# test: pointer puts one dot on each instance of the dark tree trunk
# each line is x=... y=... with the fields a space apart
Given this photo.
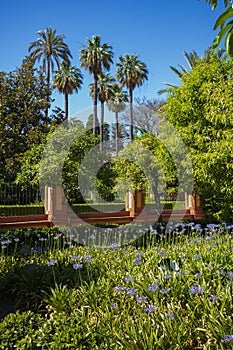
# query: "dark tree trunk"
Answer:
x=66 y=111
x=46 y=111
x=95 y=105
x=102 y=126
x=117 y=133
x=131 y=136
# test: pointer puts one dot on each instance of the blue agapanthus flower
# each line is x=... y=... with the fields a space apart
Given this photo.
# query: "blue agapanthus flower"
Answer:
x=196 y=290
x=227 y=339
x=77 y=266
x=150 y=309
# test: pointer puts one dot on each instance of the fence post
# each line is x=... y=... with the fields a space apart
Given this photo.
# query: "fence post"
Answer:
x=135 y=202
x=56 y=206
x=193 y=202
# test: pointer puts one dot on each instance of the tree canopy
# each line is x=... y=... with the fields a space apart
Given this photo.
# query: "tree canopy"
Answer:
x=22 y=121
x=201 y=110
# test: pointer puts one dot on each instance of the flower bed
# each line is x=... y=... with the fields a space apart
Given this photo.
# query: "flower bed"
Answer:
x=164 y=290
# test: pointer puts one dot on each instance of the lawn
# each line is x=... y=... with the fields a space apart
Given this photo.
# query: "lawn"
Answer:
x=159 y=291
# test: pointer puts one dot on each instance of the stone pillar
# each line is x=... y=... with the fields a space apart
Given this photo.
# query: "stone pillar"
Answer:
x=56 y=206
x=193 y=202
x=49 y=202
x=135 y=202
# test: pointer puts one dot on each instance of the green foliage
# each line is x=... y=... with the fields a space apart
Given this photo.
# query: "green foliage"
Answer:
x=22 y=122
x=114 y=310
x=201 y=111
x=225 y=24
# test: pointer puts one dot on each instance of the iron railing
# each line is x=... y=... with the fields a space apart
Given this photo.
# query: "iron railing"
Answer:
x=16 y=200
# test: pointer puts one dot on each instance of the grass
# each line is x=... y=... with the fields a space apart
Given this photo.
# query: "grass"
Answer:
x=70 y=296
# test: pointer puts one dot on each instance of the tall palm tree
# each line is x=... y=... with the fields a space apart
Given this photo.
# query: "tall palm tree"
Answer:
x=104 y=93
x=131 y=72
x=96 y=57
x=67 y=79
x=49 y=47
x=117 y=104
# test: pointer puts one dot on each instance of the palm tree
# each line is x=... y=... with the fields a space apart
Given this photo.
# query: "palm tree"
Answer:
x=117 y=104
x=192 y=59
x=49 y=47
x=96 y=57
x=104 y=93
x=66 y=80
x=131 y=72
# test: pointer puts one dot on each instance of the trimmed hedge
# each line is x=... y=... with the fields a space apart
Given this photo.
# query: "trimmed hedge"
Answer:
x=20 y=210
x=38 y=209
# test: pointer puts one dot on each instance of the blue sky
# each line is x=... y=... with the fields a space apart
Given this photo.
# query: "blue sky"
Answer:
x=158 y=31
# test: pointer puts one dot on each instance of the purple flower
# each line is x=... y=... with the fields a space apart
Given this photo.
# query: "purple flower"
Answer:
x=113 y=306
x=128 y=279
x=154 y=287
x=7 y=241
x=137 y=261
x=78 y=266
x=198 y=275
x=170 y=315
x=119 y=289
x=227 y=339
x=180 y=273
x=131 y=291
x=141 y=299
x=162 y=253
x=165 y=290
x=220 y=272
x=230 y=275
x=210 y=267
x=167 y=275
x=139 y=254
x=88 y=258
x=213 y=298
x=197 y=256
x=75 y=257
x=150 y=309
x=16 y=239
x=51 y=262
x=196 y=290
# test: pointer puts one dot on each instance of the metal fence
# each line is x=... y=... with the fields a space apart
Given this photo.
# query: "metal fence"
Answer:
x=15 y=200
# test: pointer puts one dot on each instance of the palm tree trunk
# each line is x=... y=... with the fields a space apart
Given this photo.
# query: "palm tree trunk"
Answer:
x=95 y=104
x=131 y=114
x=117 y=132
x=66 y=110
x=102 y=126
x=46 y=111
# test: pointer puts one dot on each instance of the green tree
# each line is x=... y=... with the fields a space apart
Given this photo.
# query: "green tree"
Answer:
x=131 y=72
x=96 y=57
x=146 y=166
x=22 y=121
x=62 y=163
x=201 y=111
x=117 y=104
x=66 y=80
x=49 y=47
x=104 y=92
